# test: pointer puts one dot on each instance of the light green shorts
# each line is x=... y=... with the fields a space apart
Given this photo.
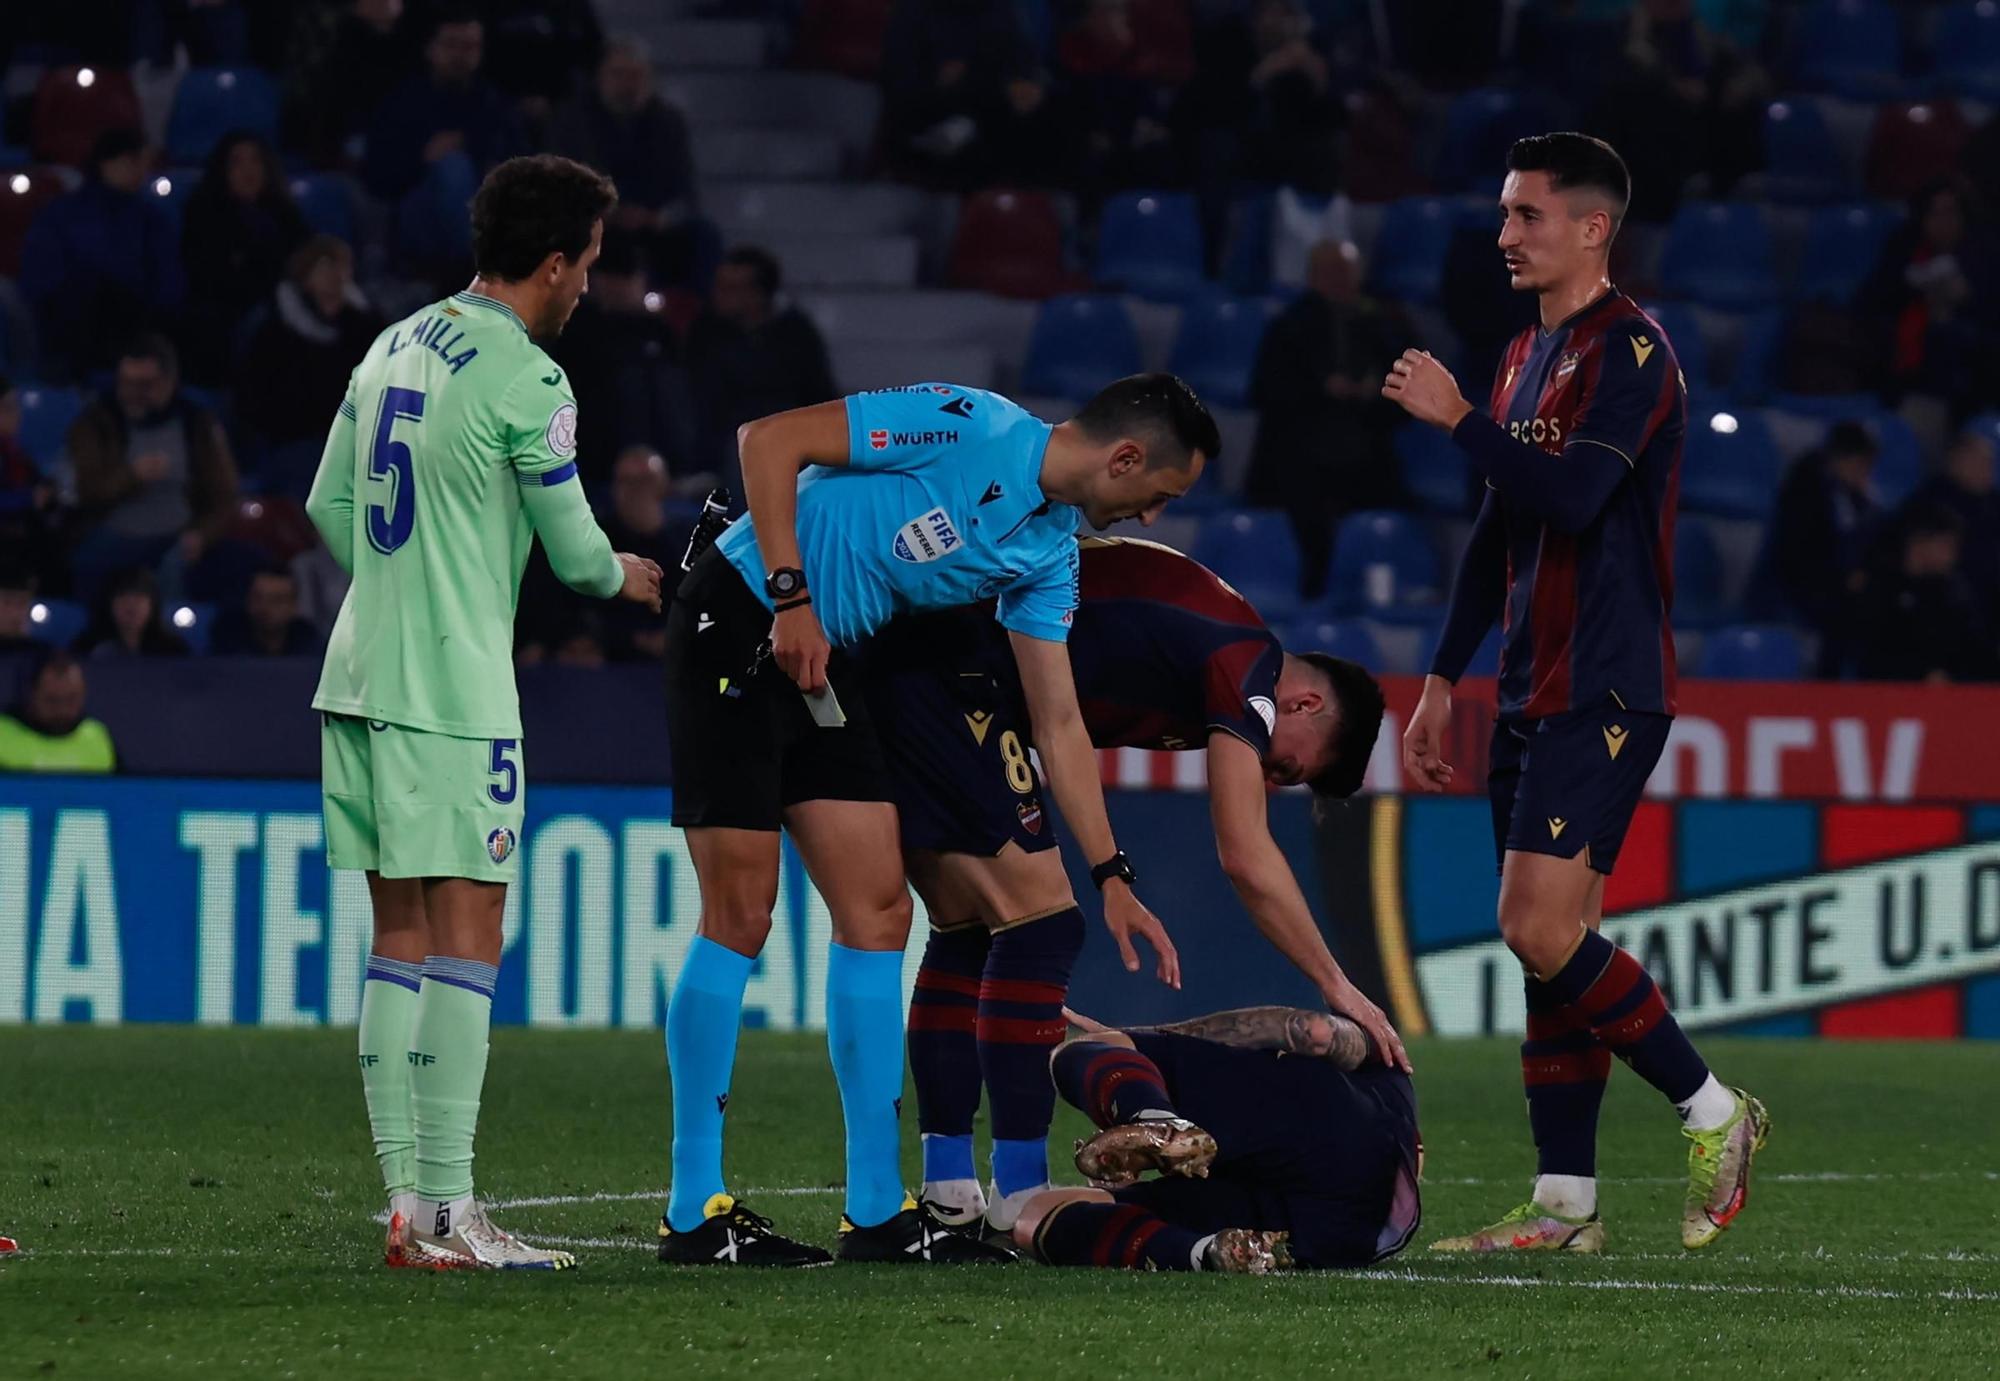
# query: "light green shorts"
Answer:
x=410 y=804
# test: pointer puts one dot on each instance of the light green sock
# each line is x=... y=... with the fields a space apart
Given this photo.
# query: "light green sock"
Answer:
x=388 y=1014
x=447 y=1070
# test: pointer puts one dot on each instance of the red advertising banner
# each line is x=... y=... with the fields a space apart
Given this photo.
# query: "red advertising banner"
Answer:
x=1803 y=740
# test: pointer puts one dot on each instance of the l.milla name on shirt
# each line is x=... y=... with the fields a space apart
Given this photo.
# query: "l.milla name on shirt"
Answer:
x=429 y=333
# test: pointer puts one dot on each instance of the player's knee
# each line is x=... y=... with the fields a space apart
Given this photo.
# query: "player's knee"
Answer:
x=738 y=923
x=881 y=922
x=1539 y=944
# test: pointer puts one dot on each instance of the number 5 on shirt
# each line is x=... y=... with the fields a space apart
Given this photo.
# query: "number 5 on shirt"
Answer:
x=390 y=524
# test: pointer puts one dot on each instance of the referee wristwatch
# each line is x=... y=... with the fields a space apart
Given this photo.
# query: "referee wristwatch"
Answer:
x=785 y=583
x=1116 y=866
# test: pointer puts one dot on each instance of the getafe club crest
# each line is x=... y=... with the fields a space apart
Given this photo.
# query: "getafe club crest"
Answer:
x=500 y=845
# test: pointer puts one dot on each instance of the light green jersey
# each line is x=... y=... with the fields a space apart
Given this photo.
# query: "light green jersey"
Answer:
x=455 y=445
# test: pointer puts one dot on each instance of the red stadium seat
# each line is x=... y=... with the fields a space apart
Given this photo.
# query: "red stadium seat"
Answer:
x=843 y=36
x=275 y=525
x=1011 y=243
x=23 y=193
x=73 y=106
x=1914 y=144
x=1382 y=159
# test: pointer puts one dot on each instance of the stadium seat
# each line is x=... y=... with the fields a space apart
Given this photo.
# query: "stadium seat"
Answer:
x=1720 y=254
x=1411 y=248
x=45 y=417
x=23 y=193
x=1965 y=49
x=1149 y=243
x=1080 y=343
x=1802 y=162
x=1987 y=424
x=1246 y=257
x=1683 y=331
x=1698 y=576
x=57 y=622
x=196 y=625
x=1842 y=244
x=1752 y=652
x=1353 y=639
x=1480 y=126
x=1382 y=161
x=212 y=101
x=1899 y=468
x=843 y=36
x=1913 y=145
x=171 y=189
x=76 y=105
x=1851 y=48
x=1254 y=550
x=325 y=202
x=1730 y=466
x=1759 y=337
x=1011 y=243
x=1435 y=470
x=1215 y=348
x=1382 y=565
x=275 y=525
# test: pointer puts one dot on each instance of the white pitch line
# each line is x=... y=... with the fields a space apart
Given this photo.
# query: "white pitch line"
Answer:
x=548 y=1200
x=1684 y=1286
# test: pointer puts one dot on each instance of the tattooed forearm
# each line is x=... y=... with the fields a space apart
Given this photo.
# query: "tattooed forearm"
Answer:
x=1295 y=1030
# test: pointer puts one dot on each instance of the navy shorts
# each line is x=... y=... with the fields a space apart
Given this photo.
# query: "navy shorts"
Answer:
x=1571 y=781
x=946 y=693
x=1323 y=1154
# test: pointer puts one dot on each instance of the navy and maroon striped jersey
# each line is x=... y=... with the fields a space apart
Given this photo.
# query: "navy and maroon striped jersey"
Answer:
x=1586 y=616
x=1164 y=651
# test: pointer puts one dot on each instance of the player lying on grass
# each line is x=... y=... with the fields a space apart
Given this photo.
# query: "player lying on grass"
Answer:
x=453 y=450
x=1166 y=656
x=925 y=497
x=1280 y=1137
x=1582 y=456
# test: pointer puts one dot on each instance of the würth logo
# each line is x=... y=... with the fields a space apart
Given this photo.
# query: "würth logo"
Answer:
x=878 y=440
x=922 y=439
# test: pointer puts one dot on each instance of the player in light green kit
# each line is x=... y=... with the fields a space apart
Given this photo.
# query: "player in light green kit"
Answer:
x=454 y=448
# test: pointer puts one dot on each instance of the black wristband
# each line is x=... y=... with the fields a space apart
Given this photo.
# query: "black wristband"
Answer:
x=1116 y=866
x=792 y=604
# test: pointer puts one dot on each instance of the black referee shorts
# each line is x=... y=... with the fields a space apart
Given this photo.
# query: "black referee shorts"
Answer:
x=741 y=737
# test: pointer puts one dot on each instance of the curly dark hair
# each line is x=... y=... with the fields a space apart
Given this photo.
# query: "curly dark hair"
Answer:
x=529 y=208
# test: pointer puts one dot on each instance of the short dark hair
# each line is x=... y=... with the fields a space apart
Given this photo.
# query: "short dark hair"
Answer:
x=1161 y=406
x=115 y=143
x=1359 y=699
x=1575 y=160
x=761 y=262
x=531 y=207
x=1851 y=439
x=151 y=345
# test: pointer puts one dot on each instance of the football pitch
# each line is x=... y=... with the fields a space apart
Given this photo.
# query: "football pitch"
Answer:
x=198 y=1202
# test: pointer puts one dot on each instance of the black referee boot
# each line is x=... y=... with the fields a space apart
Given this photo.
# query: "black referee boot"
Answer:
x=731 y=1235
x=918 y=1235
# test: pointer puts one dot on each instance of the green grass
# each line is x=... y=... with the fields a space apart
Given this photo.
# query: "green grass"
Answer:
x=197 y=1202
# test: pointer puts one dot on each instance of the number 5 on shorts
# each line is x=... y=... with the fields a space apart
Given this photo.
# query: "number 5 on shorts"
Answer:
x=502 y=792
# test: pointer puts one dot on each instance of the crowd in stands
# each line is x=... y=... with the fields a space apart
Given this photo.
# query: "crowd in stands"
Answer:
x=208 y=208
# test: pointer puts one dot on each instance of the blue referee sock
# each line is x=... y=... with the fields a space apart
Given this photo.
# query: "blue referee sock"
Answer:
x=864 y=1035
x=702 y=1024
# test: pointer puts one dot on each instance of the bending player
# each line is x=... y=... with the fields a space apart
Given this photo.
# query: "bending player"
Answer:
x=1574 y=540
x=454 y=448
x=1168 y=656
x=915 y=498
x=1280 y=1137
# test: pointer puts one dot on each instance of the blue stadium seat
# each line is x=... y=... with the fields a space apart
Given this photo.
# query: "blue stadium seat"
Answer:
x=1761 y=336
x=1246 y=259
x=1966 y=49
x=1411 y=247
x=211 y=102
x=1827 y=407
x=1899 y=469
x=1383 y=565
x=1719 y=253
x=1353 y=639
x=1254 y=550
x=1080 y=343
x=46 y=413
x=1683 y=330
x=1802 y=163
x=1852 y=48
x=1987 y=424
x=1752 y=652
x=196 y=625
x=170 y=190
x=1698 y=596
x=1149 y=243
x=324 y=201
x=1730 y=466
x=1842 y=244
x=1216 y=346
x=1479 y=128
x=57 y=622
x=1435 y=471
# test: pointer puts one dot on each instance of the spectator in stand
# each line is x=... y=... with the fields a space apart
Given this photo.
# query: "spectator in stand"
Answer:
x=345 y=66
x=154 y=473
x=1931 y=303
x=1966 y=488
x=27 y=500
x=1323 y=429
x=1119 y=66
x=1919 y=620
x=639 y=524
x=750 y=357
x=240 y=227
x=17 y=604
x=47 y=730
x=127 y=622
x=1822 y=532
x=293 y=374
x=537 y=50
x=621 y=127
x=1261 y=106
x=433 y=138
x=267 y=623
x=965 y=100
x=100 y=263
